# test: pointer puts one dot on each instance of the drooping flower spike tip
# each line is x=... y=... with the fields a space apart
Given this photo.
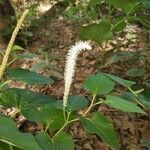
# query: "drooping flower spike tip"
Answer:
x=71 y=59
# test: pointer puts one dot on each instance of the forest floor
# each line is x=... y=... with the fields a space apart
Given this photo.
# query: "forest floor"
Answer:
x=55 y=38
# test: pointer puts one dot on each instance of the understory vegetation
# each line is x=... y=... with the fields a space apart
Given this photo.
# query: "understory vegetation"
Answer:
x=105 y=66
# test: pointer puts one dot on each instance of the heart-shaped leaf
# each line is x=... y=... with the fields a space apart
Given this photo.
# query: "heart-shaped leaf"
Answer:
x=96 y=31
x=45 y=142
x=101 y=126
x=62 y=141
x=48 y=115
x=74 y=103
x=24 y=99
x=123 y=105
x=27 y=76
x=99 y=84
x=11 y=135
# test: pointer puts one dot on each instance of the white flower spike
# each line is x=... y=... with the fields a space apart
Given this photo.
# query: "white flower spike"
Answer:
x=70 y=66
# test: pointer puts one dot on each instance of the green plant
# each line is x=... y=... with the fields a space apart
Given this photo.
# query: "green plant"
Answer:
x=57 y=115
x=107 y=17
x=102 y=20
x=24 y=34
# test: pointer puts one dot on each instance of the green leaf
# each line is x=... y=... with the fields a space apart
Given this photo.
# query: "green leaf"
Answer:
x=123 y=105
x=28 y=33
x=117 y=56
x=121 y=81
x=4 y=146
x=143 y=98
x=146 y=4
x=126 y=5
x=45 y=142
x=145 y=143
x=27 y=76
x=114 y=58
x=71 y=10
x=39 y=66
x=17 y=48
x=23 y=99
x=97 y=32
x=62 y=141
x=75 y=102
x=135 y=72
x=101 y=126
x=99 y=84
x=10 y=134
x=26 y=56
x=144 y=20
x=118 y=25
x=69 y=1
x=47 y=115
x=92 y=3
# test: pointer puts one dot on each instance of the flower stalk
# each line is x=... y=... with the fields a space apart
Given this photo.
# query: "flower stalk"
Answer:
x=11 y=42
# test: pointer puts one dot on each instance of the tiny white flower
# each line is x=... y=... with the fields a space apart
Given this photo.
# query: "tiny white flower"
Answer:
x=70 y=66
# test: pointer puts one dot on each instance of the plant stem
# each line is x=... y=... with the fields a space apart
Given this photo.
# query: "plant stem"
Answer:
x=91 y=105
x=77 y=119
x=11 y=42
x=64 y=113
x=110 y=12
x=47 y=126
x=4 y=83
x=10 y=147
x=97 y=103
x=61 y=129
x=136 y=99
x=68 y=115
x=11 y=62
